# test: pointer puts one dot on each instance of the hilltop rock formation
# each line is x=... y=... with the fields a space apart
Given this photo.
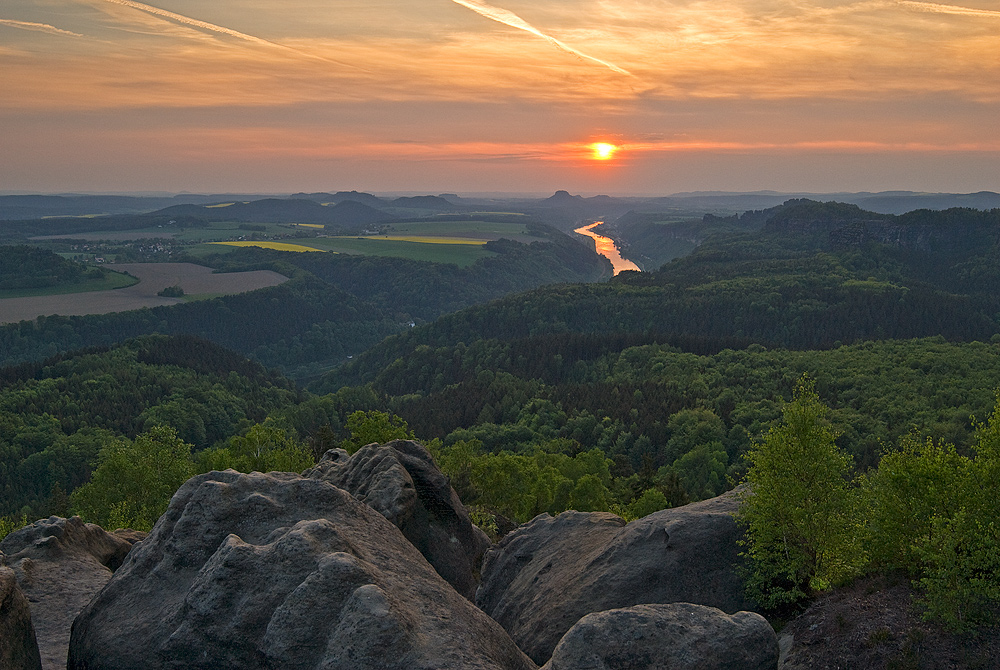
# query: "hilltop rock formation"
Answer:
x=667 y=637
x=18 y=648
x=281 y=571
x=60 y=564
x=400 y=481
x=545 y=576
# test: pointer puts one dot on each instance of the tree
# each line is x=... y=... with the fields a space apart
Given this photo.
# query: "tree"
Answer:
x=134 y=481
x=264 y=447
x=374 y=426
x=798 y=510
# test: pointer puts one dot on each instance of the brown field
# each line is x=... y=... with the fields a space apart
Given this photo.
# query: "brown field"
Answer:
x=153 y=277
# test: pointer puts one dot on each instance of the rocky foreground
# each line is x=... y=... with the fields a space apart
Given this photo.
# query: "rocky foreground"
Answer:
x=370 y=562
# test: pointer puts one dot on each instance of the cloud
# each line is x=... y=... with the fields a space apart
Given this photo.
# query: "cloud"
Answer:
x=205 y=25
x=38 y=27
x=937 y=8
x=513 y=20
x=194 y=22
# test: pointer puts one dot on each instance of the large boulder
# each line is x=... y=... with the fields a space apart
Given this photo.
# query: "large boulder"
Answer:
x=401 y=482
x=18 y=648
x=60 y=565
x=281 y=571
x=679 y=636
x=545 y=576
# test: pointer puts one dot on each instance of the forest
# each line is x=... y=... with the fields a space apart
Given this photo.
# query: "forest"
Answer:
x=876 y=336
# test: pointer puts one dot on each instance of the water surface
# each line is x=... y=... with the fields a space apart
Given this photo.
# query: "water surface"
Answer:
x=606 y=247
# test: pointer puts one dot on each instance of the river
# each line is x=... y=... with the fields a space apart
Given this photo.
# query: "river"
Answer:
x=606 y=247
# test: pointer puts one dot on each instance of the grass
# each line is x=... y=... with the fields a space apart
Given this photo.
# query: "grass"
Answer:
x=475 y=230
x=459 y=254
x=422 y=239
x=279 y=246
x=111 y=280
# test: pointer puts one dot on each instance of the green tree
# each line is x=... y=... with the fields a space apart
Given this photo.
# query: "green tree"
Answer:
x=264 y=447
x=374 y=426
x=134 y=480
x=961 y=553
x=703 y=470
x=798 y=510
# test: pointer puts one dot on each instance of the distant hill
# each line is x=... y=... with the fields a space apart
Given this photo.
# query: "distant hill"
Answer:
x=341 y=196
x=21 y=207
x=291 y=210
x=424 y=202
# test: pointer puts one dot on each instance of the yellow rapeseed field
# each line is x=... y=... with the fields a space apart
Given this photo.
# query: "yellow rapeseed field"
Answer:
x=280 y=246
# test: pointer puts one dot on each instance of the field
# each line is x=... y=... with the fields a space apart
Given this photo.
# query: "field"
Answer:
x=196 y=280
x=279 y=246
x=434 y=240
x=111 y=280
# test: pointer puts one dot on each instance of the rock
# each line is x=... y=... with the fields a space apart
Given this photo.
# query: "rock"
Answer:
x=545 y=576
x=400 y=481
x=18 y=648
x=60 y=564
x=679 y=636
x=281 y=571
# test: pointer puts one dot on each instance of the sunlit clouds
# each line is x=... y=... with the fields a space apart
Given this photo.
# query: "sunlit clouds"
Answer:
x=511 y=19
x=294 y=87
x=38 y=27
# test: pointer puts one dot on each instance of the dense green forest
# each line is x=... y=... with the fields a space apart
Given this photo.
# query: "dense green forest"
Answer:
x=56 y=415
x=816 y=276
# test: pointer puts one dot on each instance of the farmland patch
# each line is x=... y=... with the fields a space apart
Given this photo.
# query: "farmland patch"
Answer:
x=196 y=280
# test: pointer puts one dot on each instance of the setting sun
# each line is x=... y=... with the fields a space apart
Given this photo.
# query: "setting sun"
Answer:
x=603 y=151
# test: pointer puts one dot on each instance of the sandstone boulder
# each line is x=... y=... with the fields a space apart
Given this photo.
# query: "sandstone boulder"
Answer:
x=281 y=571
x=18 y=648
x=545 y=576
x=400 y=481
x=678 y=636
x=60 y=564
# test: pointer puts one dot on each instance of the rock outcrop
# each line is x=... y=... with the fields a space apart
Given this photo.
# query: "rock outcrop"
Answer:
x=18 y=648
x=545 y=576
x=400 y=481
x=60 y=564
x=679 y=636
x=281 y=571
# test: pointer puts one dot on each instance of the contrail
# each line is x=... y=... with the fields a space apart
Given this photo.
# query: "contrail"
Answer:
x=513 y=20
x=180 y=18
x=194 y=22
x=937 y=8
x=38 y=27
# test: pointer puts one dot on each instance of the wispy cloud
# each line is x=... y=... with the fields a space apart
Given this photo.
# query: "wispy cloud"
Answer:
x=513 y=20
x=180 y=18
x=205 y=25
x=38 y=27
x=937 y=8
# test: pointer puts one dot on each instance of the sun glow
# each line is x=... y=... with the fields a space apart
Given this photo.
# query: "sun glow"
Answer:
x=603 y=151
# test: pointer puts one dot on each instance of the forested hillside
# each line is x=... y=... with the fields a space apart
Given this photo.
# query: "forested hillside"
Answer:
x=817 y=275
x=334 y=307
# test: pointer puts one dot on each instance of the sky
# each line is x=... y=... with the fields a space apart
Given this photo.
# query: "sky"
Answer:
x=476 y=96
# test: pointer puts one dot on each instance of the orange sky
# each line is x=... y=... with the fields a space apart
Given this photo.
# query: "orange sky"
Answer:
x=469 y=95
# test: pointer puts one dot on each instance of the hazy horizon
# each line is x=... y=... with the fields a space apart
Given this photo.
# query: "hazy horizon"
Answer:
x=468 y=96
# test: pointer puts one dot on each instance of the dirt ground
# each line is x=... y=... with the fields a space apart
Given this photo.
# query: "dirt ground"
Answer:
x=153 y=277
x=874 y=624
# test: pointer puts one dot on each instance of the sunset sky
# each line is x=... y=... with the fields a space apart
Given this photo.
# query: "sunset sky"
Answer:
x=506 y=95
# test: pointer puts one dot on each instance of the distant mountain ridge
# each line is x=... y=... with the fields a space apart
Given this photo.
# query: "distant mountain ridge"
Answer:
x=292 y=210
